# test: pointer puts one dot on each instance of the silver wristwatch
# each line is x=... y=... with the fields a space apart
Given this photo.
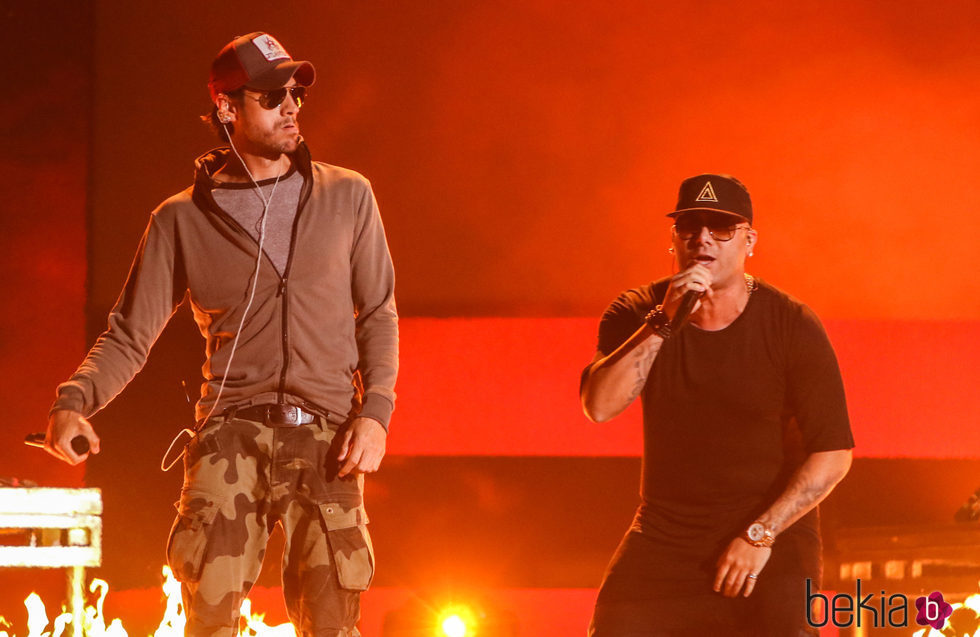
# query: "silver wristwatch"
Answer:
x=758 y=534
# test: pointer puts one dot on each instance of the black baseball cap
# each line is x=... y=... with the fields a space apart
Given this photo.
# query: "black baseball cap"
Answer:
x=714 y=193
x=256 y=61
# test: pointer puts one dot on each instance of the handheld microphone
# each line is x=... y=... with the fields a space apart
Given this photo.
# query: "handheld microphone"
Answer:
x=79 y=444
x=688 y=302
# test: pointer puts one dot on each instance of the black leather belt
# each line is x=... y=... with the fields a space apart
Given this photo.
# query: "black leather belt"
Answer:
x=273 y=415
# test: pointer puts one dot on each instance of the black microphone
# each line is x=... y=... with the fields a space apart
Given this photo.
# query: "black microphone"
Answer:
x=79 y=444
x=684 y=309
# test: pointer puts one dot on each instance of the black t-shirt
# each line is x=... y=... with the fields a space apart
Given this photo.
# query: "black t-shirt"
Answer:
x=729 y=415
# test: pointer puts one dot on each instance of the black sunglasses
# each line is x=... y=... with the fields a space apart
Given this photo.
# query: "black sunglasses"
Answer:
x=274 y=98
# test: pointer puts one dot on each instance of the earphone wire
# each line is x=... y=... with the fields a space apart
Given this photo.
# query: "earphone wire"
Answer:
x=192 y=433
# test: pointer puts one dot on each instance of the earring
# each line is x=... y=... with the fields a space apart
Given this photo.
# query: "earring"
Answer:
x=750 y=253
x=670 y=250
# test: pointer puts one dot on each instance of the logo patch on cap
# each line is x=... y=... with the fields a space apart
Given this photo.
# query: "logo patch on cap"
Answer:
x=707 y=193
x=270 y=48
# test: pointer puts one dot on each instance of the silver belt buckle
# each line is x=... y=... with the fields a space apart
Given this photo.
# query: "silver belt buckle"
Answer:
x=292 y=415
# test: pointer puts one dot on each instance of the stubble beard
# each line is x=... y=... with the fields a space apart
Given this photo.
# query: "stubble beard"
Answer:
x=273 y=149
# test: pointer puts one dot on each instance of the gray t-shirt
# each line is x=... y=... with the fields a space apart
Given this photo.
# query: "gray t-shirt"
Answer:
x=243 y=203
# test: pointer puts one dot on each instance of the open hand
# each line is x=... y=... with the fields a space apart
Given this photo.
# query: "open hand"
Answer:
x=735 y=566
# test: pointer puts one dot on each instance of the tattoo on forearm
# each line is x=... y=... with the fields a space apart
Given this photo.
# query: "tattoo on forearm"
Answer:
x=803 y=494
x=642 y=369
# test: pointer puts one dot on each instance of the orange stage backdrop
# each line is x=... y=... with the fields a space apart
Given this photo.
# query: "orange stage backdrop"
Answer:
x=523 y=154
x=508 y=387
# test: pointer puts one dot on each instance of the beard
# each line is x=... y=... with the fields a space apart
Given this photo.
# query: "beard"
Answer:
x=277 y=145
x=272 y=143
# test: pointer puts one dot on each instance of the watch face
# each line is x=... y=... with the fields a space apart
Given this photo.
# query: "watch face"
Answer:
x=756 y=532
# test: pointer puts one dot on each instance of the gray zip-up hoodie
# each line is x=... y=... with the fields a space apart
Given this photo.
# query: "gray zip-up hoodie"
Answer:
x=330 y=315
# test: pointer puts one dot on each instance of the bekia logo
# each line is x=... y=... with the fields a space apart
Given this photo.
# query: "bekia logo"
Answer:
x=933 y=610
x=880 y=611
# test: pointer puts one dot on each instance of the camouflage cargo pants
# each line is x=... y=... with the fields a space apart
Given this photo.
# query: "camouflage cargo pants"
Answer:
x=241 y=478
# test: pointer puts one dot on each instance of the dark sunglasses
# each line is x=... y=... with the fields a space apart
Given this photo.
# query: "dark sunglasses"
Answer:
x=274 y=98
x=720 y=228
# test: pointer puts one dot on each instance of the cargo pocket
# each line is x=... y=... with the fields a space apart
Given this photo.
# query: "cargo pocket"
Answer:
x=350 y=545
x=189 y=536
x=204 y=443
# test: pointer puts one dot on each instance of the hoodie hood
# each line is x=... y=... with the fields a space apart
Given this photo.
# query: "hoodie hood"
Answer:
x=208 y=165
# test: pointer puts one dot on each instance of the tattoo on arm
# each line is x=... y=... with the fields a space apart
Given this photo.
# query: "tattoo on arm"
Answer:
x=642 y=368
x=802 y=496
x=613 y=381
x=809 y=486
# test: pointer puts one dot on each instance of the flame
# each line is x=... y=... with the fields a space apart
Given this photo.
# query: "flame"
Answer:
x=60 y=622
x=95 y=620
x=37 y=618
x=973 y=603
x=172 y=624
x=255 y=625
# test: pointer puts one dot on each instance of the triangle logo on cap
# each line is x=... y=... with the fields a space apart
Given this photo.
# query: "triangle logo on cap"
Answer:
x=270 y=48
x=707 y=193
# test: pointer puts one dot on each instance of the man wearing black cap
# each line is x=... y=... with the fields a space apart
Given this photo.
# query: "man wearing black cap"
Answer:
x=745 y=431
x=285 y=264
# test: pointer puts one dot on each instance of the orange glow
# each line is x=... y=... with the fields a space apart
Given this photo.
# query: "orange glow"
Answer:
x=454 y=626
x=457 y=621
x=576 y=134
x=523 y=154
x=509 y=387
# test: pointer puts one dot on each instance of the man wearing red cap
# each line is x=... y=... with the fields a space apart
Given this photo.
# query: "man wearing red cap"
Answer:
x=286 y=267
x=745 y=431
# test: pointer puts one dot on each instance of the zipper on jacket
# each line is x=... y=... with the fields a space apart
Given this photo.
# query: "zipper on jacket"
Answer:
x=201 y=195
x=285 y=331
x=304 y=197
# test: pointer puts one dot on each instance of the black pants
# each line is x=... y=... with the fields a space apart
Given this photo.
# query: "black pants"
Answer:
x=654 y=590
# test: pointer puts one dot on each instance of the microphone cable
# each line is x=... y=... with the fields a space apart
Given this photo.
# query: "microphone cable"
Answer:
x=192 y=433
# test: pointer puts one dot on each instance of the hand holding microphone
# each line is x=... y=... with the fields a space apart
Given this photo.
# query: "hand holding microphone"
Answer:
x=71 y=434
x=685 y=292
x=79 y=444
x=688 y=301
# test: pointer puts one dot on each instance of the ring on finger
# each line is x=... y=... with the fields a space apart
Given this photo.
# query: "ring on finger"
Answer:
x=752 y=576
